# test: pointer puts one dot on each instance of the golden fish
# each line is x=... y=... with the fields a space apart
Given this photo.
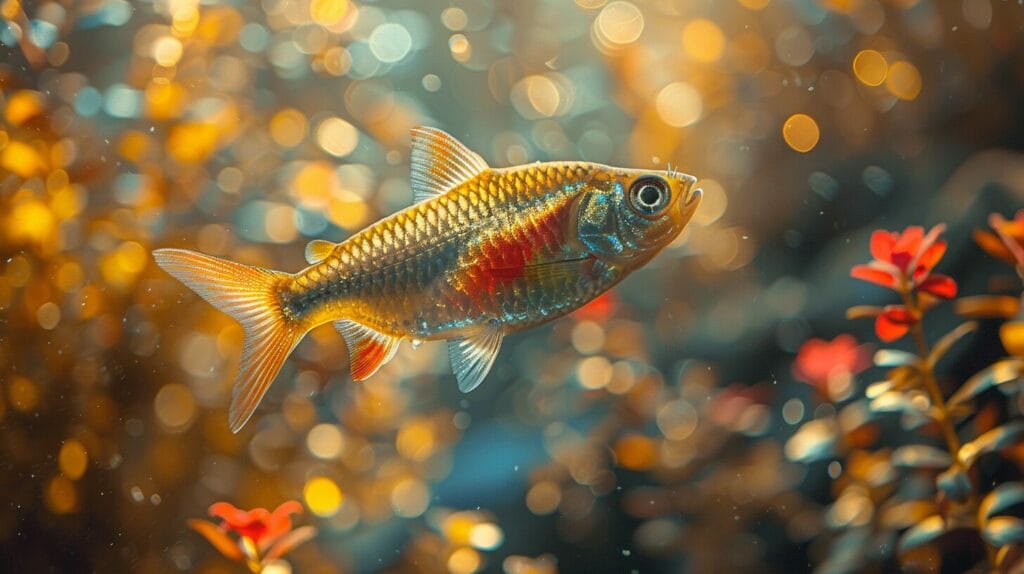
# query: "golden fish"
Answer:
x=482 y=253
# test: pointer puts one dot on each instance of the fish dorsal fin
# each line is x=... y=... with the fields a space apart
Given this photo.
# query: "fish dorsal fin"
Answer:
x=440 y=162
x=473 y=356
x=318 y=250
x=368 y=349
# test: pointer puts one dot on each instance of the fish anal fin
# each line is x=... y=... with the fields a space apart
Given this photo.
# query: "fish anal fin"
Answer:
x=247 y=294
x=368 y=349
x=439 y=163
x=472 y=356
x=318 y=250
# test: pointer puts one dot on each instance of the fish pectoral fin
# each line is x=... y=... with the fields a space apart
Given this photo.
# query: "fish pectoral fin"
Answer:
x=368 y=349
x=473 y=356
x=439 y=163
x=318 y=250
x=562 y=270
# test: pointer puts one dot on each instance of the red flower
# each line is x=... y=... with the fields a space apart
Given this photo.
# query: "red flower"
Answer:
x=829 y=365
x=907 y=258
x=263 y=536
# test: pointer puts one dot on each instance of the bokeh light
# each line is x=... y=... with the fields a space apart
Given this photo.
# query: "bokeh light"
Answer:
x=801 y=132
x=322 y=496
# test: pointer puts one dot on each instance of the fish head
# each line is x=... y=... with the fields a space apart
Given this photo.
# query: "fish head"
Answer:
x=626 y=216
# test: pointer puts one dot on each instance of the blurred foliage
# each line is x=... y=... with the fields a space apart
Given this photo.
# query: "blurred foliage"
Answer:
x=662 y=428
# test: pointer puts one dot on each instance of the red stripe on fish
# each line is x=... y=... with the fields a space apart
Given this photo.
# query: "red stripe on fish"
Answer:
x=503 y=257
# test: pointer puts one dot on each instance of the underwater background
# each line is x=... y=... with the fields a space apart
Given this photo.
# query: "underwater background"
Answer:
x=716 y=412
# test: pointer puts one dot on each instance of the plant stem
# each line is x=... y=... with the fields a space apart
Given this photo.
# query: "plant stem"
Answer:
x=928 y=373
x=939 y=401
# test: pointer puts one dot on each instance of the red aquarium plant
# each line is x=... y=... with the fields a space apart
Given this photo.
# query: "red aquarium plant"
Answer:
x=829 y=366
x=903 y=261
x=261 y=536
x=963 y=497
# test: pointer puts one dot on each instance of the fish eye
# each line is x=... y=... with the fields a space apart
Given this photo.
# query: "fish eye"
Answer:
x=649 y=195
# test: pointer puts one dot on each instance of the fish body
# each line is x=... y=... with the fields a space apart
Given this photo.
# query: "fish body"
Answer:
x=481 y=253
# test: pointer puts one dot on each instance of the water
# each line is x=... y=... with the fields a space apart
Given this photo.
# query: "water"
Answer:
x=717 y=411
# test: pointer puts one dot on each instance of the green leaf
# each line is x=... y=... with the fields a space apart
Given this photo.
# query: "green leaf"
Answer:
x=943 y=345
x=901 y=402
x=876 y=390
x=895 y=358
x=995 y=439
x=922 y=533
x=921 y=456
x=980 y=306
x=815 y=440
x=1001 y=498
x=1003 y=530
x=999 y=373
x=863 y=311
x=899 y=514
x=954 y=483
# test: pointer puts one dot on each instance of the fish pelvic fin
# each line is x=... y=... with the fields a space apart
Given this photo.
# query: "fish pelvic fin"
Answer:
x=368 y=349
x=248 y=295
x=473 y=356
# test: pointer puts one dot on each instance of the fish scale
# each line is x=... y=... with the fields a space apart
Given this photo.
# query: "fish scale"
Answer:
x=482 y=253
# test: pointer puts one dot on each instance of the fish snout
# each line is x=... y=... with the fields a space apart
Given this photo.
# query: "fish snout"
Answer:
x=690 y=197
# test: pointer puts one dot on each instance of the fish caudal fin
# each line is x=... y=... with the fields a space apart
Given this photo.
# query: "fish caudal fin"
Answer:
x=248 y=295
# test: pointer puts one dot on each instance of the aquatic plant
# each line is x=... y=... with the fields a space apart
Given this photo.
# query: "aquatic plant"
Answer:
x=947 y=504
x=261 y=537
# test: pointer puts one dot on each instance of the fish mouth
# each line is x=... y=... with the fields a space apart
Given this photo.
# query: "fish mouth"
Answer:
x=692 y=196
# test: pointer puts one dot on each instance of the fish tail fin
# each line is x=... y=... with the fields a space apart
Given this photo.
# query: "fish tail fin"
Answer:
x=247 y=294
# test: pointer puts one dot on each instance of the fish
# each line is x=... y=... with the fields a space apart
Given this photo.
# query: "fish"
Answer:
x=482 y=252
